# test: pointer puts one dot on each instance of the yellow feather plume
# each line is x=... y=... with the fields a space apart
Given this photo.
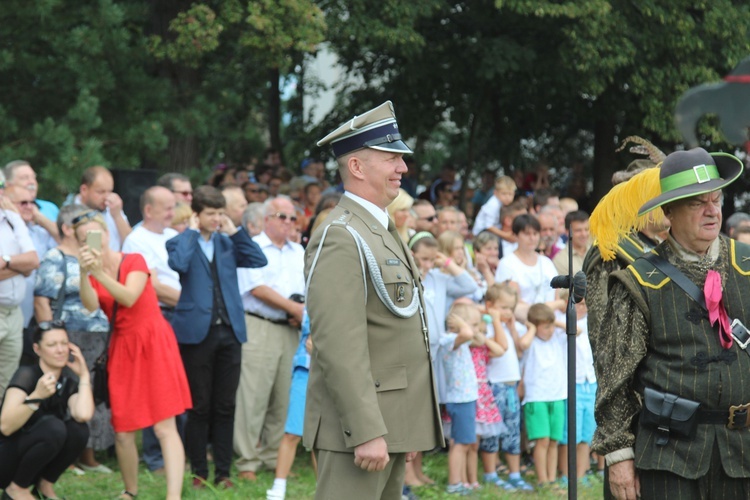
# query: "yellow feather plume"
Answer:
x=616 y=215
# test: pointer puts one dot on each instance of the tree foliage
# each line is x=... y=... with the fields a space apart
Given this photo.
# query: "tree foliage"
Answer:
x=182 y=84
x=173 y=85
x=524 y=80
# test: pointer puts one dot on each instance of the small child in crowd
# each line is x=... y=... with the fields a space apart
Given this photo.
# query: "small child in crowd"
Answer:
x=546 y=390
x=296 y=413
x=488 y=420
x=443 y=281
x=504 y=374
x=463 y=322
x=585 y=397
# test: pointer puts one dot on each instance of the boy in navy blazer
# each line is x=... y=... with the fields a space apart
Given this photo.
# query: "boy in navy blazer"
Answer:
x=210 y=326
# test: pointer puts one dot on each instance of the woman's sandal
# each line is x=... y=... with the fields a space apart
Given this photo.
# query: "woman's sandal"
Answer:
x=126 y=495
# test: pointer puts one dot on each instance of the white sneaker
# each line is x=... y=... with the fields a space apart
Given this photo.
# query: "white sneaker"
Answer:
x=275 y=494
x=97 y=468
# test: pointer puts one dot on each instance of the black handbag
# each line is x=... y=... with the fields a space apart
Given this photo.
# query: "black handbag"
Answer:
x=99 y=371
x=669 y=415
x=28 y=356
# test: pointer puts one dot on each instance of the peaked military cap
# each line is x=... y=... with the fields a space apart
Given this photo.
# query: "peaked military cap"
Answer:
x=376 y=129
x=691 y=173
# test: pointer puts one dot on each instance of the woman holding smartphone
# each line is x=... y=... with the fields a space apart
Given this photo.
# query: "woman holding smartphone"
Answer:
x=37 y=440
x=146 y=378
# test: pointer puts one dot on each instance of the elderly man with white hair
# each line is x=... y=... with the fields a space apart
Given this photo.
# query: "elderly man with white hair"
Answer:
x=273 y=314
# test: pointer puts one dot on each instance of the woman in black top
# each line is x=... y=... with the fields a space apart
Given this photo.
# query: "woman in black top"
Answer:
x=43 y=415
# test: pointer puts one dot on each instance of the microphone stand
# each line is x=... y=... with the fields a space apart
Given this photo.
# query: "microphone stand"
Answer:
x=571 y=327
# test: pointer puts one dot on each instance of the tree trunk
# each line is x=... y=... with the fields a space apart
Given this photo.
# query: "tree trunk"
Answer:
x=604 y=157
x=183 y=154
x=274 y=110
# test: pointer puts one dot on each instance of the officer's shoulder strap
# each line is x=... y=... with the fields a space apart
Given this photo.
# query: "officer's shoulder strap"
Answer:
x=647 y=274
x=629 y=248
x=740 y=256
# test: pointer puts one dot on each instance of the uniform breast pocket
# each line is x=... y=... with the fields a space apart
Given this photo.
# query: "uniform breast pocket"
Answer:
x=397 y=281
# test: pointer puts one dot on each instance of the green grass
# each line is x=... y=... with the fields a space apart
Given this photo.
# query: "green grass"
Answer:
x=301 y=486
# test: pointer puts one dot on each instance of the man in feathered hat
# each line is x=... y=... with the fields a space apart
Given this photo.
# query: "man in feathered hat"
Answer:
x=673 y=371
x=620 y=235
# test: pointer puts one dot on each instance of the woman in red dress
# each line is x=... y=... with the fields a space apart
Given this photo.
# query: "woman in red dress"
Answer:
x=146 y=378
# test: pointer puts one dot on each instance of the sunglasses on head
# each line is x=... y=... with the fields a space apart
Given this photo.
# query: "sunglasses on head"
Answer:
x=55 y=324
x=284 y=217
x=84 y=217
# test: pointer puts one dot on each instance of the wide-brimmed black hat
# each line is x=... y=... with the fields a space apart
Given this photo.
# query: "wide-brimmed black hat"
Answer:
x=691 y=173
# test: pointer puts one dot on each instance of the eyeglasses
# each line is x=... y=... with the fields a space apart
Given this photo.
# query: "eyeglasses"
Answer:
x=184 y=193
x=55 y=324
x=26 y=203
x=284 y=217
x=80 y=219
x=431 y=218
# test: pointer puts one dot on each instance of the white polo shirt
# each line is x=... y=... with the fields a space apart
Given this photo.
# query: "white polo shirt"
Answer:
x=153 y=247
x=14 y=240
x=284 y=273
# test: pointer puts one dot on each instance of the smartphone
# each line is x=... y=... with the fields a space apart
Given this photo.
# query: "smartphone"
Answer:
x=94 y=239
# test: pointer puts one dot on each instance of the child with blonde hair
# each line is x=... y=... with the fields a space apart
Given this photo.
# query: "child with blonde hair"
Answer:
x=461 y=390
x=488 y=420
x=504 y=375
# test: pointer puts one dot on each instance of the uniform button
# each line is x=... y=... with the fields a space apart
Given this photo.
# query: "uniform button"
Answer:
x=398 y=276
x=377 y=383
x=346 y=211
x=374 y=226
x=348 y=433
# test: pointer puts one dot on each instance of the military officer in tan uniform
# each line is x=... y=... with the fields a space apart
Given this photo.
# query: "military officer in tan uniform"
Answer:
x=371 y=400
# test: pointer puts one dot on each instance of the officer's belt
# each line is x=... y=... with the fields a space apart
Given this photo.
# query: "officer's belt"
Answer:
x=737 y=417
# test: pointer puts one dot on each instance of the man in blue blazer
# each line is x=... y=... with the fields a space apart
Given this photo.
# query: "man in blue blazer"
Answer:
x=210 y=326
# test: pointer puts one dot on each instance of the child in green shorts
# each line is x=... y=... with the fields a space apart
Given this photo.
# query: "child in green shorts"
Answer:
x=546 y=389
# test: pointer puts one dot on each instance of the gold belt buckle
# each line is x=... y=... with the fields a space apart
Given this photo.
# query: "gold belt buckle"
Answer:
x=741 y=411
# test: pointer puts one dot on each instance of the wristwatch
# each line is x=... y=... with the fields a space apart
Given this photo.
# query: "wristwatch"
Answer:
x=32 y=403
x=6 y=259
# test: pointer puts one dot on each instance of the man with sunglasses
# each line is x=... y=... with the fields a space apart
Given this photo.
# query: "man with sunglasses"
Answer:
x=18 y=259
x=179 y=184
x=426 y=217
x=38 y=225
x=272 y=319
x=20 y=173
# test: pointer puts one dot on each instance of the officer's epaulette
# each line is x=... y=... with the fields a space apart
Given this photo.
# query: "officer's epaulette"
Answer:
x=343 y=219
x=740 y=254
x=629 y=248
x=647 y=274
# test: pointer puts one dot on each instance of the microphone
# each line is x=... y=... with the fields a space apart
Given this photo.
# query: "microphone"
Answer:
x=579 y=285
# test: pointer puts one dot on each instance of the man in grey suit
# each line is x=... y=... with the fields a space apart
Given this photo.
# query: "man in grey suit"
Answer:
x=371 y=400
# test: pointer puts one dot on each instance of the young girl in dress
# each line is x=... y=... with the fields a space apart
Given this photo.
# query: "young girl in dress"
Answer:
x=488 y=420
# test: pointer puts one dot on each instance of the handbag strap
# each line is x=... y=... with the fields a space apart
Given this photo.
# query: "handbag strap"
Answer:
x=114 y=310
x=678 y=277
x=57 y=304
